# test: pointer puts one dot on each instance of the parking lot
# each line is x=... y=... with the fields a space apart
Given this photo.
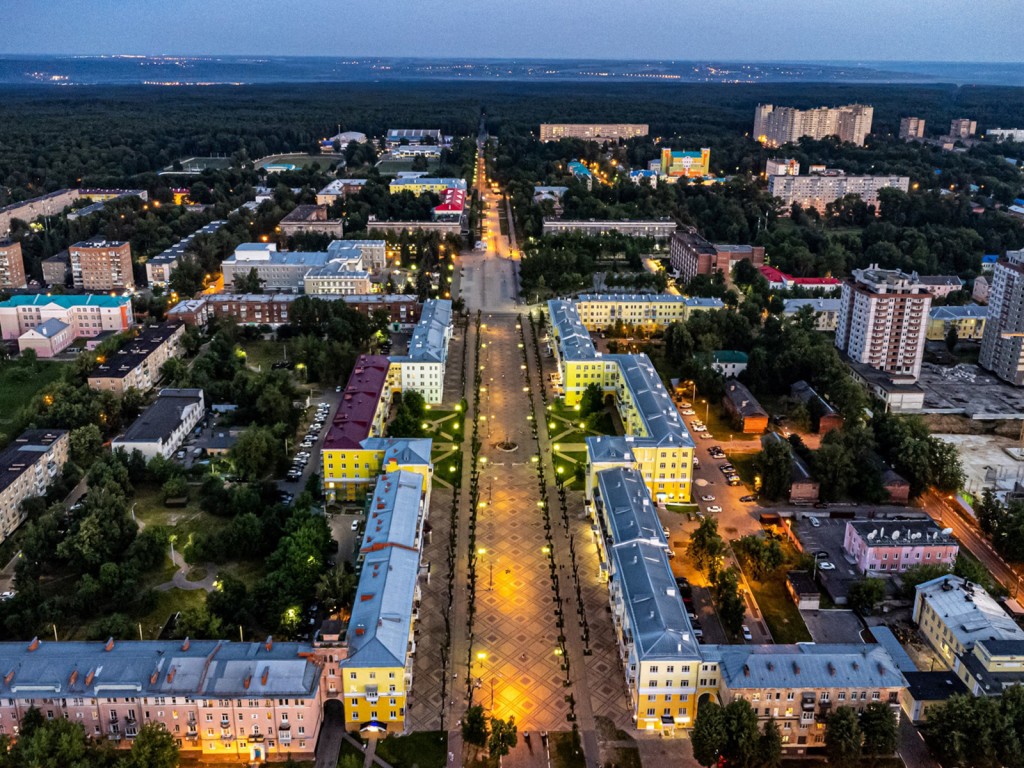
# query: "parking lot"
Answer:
x=834 y=626
x=827 y=537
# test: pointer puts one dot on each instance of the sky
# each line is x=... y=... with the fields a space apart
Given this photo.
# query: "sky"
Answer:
x=723 y=30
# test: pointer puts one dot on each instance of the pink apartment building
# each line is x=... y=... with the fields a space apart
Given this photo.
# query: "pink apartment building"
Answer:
x=892 y=546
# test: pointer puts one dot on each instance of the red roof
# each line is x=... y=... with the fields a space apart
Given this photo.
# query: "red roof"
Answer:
x=816 y=281
x=351 y=422
x=773 y=275
x=452 y=201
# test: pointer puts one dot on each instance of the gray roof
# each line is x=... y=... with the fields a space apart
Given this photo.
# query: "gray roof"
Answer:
x=934 y=686
x=338 y=268
x=573 y=337
x=159 y=420
x=136 y=351
x=627 y=507
x=50 y=328
x=885 y=638
x=23 y=452
x=196 y=668
x=378 y=631
x=899 y=533
x=805 y=666
x=660 y=416
x=393 y=518
x=742 y=399
x=429 y=342
x=970 y=613
x=177 y=250
x=792 y=306
x=966 y=312
x=660 y=626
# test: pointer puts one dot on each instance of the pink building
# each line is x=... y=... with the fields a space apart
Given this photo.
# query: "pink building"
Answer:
x=48 y=339
x=892 y=546
x=87 y=315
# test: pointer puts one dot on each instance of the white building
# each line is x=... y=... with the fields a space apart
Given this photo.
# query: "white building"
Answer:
x=28 y=466
x=883 y=320
x=818 y=190
x=1005 y=134
x=87 y=315
x=775 y=126
x=423 y=368
x=782 y=166
x=162 y=427
x=1002 y=346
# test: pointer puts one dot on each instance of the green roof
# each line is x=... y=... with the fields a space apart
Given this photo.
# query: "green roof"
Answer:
x=66 y=301
x=730 y=356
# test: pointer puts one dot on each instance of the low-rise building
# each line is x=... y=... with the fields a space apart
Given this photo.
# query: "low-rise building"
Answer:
x=890 y=547
x=272 y=309
x=423 y=368
x=163 y=426
x=311 y=218
x=780 y=281
x=160 y=268
x=743 y=408
x=101 y=265
x=644 y=176
x=377 y=228
x=782 y=166
x=336 y=278
x=940 y=286
x=88 y=315
x=137 y=364
x=651 y=311
x=420 y=184
x=57 y=269
x=896 y=486
x=28 y=466
x=980 y=289
x=1005 y=134
x=339 y=188
x=926 y=690
x=729 y=362
x=800 y=686
x=691 y=255
x=992 y=666
x=954 y=614
x=803 y=590
x=657 y=229
x=397 y=137
x=968 y=320
x=824 y=418
x=452 y=206
x=29 y=210
x=552 y=194
x=803 y=488
x=12 y=266
x=47 y=339
x=690 y=164
x=899 y=393
x=825 y=311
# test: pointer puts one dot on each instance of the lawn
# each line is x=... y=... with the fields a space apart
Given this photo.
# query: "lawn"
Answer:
x=717 y=424
x=444 y=425
x=19 y=384
x=168 y=603
x=744 y=463
x=261 y=354
x=565 y=753
x=184 y=522
x=780 y=613
x=426 y=749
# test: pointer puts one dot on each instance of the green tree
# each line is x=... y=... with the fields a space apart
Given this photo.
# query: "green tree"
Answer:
x=865 y=594
x=952 y=339
x=249 y=283
x=504 y=736
x=879 y=726
x=743 y=738
x=337 y=587
x=56 y=742
x=592 y=400
x=775 y=466
x=154 y=747
x=474 y=726
x=843 y=738
x=769 y=748
x=85 y=444
x=763 y=554
x=706 y=547
x=175 y=488
x=256 y=453
x=709 y=735
x=731 y=608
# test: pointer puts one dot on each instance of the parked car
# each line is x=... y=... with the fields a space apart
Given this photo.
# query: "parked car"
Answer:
x=748 y=498
x=825 y=565
x=664 y=529
x=815 y=522
x=821 y=553
x=714 y=510
x=355 y=525
x=687 y=412
x=746 y=633
x=734 y=481
x=707 y=436
x=707 y=497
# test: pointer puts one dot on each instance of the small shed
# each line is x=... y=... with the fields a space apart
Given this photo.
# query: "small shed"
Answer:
x=803 y=590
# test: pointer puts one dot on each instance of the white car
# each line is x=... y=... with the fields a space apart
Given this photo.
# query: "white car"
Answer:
x=815 y=522
x=746 y=633
x=355 y=525
x=825 y=565
x=688 y=412
x=700 y=428
x=709 y=497
x=706 y=436
x=685 y=405
x=714 y=510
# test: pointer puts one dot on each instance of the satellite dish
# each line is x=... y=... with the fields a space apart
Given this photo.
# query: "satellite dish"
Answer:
x=947 y=531
x=895 y=535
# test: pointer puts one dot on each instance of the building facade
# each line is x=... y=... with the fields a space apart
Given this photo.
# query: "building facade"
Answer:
x=656 y=229
x=12 y=266
x=690 y=164
x=782 y=166
x=825 y=311
x=882 y=549
x=651 y=311
x=968 y=320
x=744 y=410
x=420 y=184
x=1002 y=343
x=99 y=265
x=29 y=210
x=311 y=218
x=911 y=128
x=818 y=190
x=28 y=466
x=160 y=268
x=883 y=320
x=591 y=131
x=87 y=316
x=691 y=255
x=1005 y=134
x=963 y=128
x=423 y=368
x=775 y=126
x=137 y=364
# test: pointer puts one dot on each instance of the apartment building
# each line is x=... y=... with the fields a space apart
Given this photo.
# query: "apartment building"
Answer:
x=272 y=309
x=940 y=286
x=799 y=686
x=657 y=442
x=160 y=268
x=279 y=271
x=57 y=269
x=963 y=128
x=380 y=639
x=422 y=369
x=373 y=253
x=880 y=549
x=311 y=218
x=87 y=316
x=339 y=188
x=32 y=461
x=911 y=128
x=592 y=131
x=883 y=320
x=420 y=184
x=452 y=206
x=597 y=311
x=657 y=229
x=775 y=126
x=782 y=166
x=337 y=278
x=818 y=190
x=12 y=266
x=690 y=164
x=1002 y=343
x=101 y=265
x=163 y=426
x=825 y=311
x=137 y=364
x=221 y=701
x=954 y=615
x=29 y=210
x=691 y=255
x=968 y=320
